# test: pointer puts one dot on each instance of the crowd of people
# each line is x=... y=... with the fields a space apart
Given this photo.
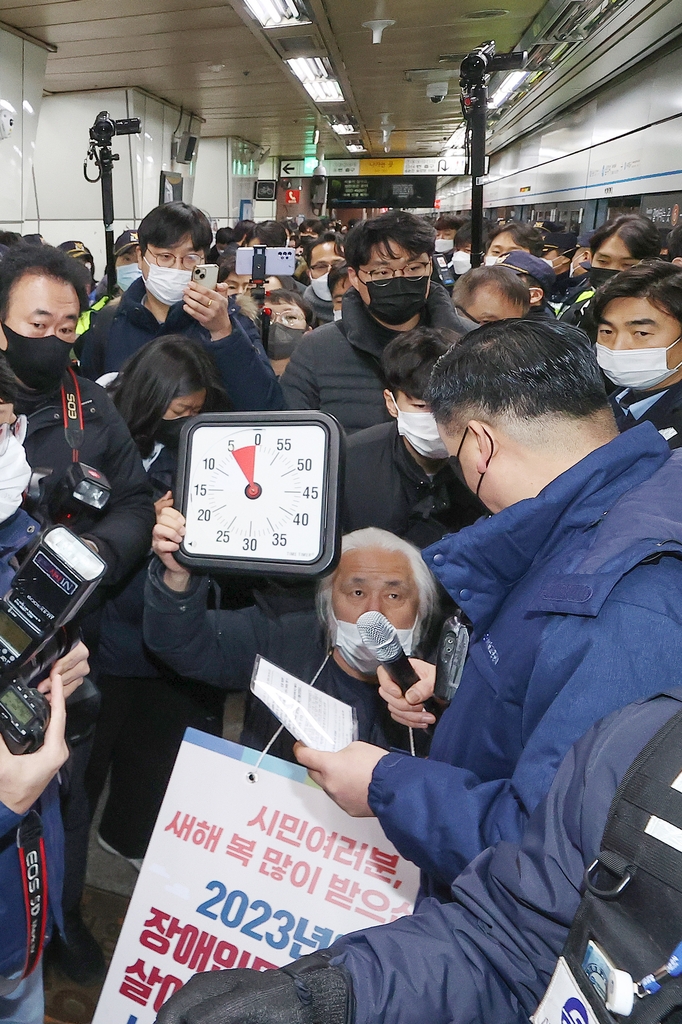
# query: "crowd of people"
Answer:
x=510 y=458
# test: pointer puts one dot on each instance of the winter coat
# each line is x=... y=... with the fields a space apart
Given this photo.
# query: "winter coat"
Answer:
x=575 y=613
x=336 y=367
x=386 y=488
x=665 y=413
x=15 y=534
x=489 y=955
x=240 y=357
x=323 y=308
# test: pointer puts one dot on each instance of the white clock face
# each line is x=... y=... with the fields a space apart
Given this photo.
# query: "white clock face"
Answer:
x=257 y=492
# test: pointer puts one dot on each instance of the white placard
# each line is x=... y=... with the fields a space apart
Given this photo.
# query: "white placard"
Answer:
x=311 y=716
x=243 y=873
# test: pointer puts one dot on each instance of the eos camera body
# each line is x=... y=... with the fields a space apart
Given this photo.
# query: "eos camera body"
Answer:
x=49 y=588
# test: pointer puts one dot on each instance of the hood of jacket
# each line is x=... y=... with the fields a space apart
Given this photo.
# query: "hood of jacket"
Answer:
x=363 y=332
x=627 y=494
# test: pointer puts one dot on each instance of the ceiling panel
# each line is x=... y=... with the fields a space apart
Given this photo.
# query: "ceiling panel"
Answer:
x=167 y=47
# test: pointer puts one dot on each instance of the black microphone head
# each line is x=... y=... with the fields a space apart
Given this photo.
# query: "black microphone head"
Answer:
x=379 y=636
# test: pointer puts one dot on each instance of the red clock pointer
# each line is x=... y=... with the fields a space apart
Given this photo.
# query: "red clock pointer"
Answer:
x=245 y=459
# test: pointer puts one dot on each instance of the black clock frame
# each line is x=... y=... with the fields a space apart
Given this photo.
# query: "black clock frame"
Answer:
x=331 y=499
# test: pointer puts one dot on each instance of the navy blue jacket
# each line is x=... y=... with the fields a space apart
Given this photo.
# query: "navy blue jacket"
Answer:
x=15 y=534
x=240 y=358
x=489 y=955
x=575 y=614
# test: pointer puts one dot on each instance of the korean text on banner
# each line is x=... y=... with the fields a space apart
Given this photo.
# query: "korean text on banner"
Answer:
x=246 y=869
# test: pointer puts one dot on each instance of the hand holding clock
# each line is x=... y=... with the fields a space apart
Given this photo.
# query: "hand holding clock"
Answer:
x=166 y=538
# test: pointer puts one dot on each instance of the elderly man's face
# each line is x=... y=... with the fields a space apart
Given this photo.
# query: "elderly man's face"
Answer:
x=372 y=579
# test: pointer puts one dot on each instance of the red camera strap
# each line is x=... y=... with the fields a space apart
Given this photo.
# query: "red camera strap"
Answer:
x=34 y=878
x=72 y=410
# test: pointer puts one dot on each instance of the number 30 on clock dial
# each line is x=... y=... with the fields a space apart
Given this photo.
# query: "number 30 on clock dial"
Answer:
x=260 y=492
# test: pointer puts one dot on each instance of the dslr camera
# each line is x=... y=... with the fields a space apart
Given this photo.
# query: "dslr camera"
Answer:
x=36 y=629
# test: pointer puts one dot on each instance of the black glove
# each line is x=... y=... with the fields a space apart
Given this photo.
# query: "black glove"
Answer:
x=308 y=991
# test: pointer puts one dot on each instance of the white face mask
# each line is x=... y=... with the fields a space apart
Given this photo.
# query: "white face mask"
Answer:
x=166 y=283
x=338 y=314
x=351 y=648
x=638 y=368
x=461 y=261
x=421 y=431
x=126 y=274
x=445 y=244
x=490 y=261
x=320 y=286
x=15 y=474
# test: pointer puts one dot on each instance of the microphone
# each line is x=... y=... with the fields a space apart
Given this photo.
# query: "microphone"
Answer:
x=381 y=638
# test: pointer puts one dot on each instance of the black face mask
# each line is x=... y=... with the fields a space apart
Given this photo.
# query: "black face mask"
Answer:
x=39 y=363
x=397 y=301
x=168 y=432
x=600 y=275
x=282 y=340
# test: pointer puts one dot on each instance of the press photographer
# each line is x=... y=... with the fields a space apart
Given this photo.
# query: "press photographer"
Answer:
x=27 y=782
x=71 y=420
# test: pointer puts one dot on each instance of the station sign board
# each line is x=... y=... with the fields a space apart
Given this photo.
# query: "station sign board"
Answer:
x=391 y=166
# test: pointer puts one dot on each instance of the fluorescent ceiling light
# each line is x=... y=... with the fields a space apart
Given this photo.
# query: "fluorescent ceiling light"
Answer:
x=508 y=86
x=276 y=13
x=315 y=78
x=355 y=147
x=344 y=129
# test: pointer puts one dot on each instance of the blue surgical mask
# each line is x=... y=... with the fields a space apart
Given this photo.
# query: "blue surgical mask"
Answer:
x=126 y=274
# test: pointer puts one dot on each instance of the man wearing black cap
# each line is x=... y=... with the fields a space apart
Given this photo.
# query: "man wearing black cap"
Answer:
x=79 y=251
x=104 y=309
x=539 y=277
x=558 y=251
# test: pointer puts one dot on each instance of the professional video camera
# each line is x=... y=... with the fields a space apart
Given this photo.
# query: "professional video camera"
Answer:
x=483 y=61
x=99 y=151
x=105 y=127
x=36 y=629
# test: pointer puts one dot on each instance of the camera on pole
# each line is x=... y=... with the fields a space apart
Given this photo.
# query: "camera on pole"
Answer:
x=99 y=151
x=474 y=72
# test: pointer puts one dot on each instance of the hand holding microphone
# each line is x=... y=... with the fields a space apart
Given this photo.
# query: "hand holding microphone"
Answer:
x=381 y=638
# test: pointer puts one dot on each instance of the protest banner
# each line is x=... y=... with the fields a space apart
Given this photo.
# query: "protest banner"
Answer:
x=246 y=868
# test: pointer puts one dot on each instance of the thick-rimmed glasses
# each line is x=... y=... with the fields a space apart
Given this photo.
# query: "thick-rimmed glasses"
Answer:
x=414 y=271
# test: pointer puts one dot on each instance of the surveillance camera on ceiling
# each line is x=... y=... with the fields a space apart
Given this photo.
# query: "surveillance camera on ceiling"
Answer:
x=437 y=91
x=6 y=124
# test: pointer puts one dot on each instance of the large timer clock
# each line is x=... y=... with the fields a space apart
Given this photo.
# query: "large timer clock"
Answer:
x=260 y=492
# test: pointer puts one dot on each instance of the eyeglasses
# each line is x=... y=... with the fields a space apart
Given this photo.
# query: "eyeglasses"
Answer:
x=289 y=319
x=169 y=259
x=413 y=272
x=323 y=267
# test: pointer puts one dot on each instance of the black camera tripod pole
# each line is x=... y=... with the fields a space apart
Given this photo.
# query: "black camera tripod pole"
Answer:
x=106 y=162
x=474 y=73
x=476 y=104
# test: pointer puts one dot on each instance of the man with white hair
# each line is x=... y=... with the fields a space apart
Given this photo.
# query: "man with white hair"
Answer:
x=377 y=572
